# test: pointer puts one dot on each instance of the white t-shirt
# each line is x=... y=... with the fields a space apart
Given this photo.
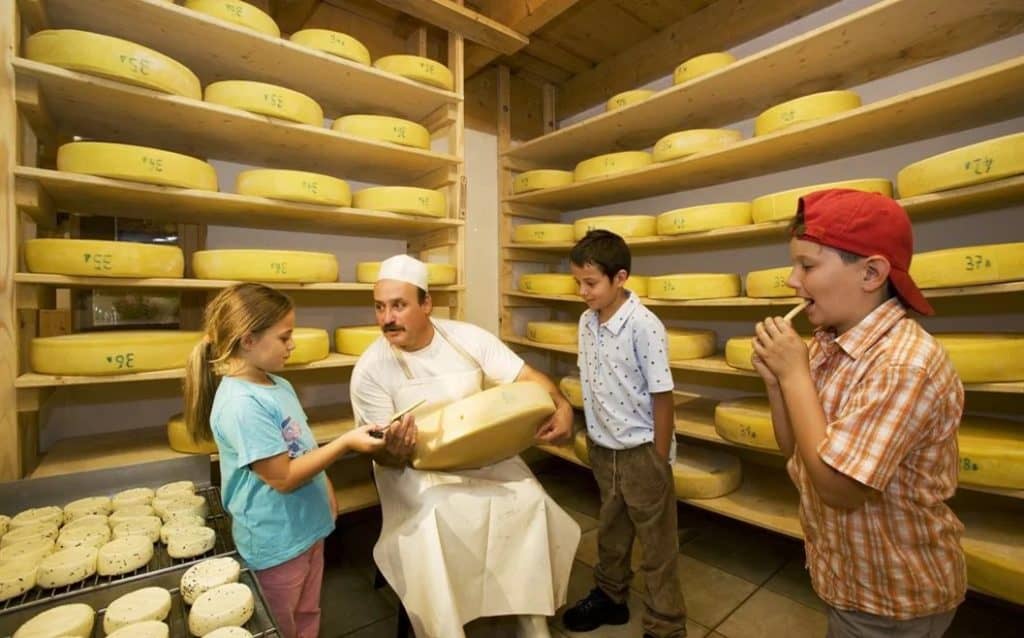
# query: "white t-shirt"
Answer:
x=378 y=376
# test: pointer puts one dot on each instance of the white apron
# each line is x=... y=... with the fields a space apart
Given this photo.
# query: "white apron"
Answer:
x=456 y=546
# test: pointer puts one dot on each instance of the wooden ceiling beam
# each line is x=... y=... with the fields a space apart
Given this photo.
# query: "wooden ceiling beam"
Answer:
x=524 y=16
x=476 y=27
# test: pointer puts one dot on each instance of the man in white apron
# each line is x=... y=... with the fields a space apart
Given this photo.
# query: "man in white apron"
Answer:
x=464 y=545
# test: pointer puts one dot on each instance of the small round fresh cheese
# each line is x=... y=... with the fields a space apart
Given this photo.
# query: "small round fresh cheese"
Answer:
x=17 y=576
x=148 y=526
x=130 y=512
x=229 y=605
x=75 y=620
x=50 y=514
x=66 y=567
x=28 y=533
x=229 y=632
x=177 y=487
x=34 y=549
x=148 y=603
x=190 y=541
x=124 y=555
x=90 y=520
x=88 y=536
x=87 y=506
x=144 y=629
x=134 y=496
x=178 y=505
x=207 y=575
x=177 y=525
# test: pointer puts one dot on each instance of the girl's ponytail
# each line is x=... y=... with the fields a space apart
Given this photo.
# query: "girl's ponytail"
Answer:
x=200 y=386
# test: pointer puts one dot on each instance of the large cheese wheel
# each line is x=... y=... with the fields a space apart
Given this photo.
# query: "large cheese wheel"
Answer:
x=48 y=515
x=265 y=99
x=985 y=358
x=294 y=186
x=36 y=531
x=206 y=575
x=701 y=65
x=770 y=283
x=694 y=286
x=627 y=98
x=123 y=555
x=624 y=226
x=311 y=344
x=266 y=265
x=684 y=143
x=17 y=576
x=384 y=128
x=580 y=447
x=690 y=344
x=237 y=12
x=968 y=266
x=94 y=258
x=136 y=164
x=71 y=620
x=180 y=440
x=148 y=603
x=746 y=421
x=611 y=164
x=190 y=541
x=975 y=164
x=144 y=629
x=66 y=567
x=146 y=526
x=991 y=452
x=175 y=488
x=333 y=42
x=805 y=109
x=132 y=496
x=419 y=69
x=86 y=506
x=994 y=553
x=555 y=332
x=88 y=536
x=707 y=217
x=402 y=199
x=481 y=429
x=115 y=352
x=638 y=284
x=543 y=234
x=437 y=274
x=572 y=388
x=738 y=352
x=33 y=549
x=782 y=205
x=541 y=178
x=112 y=58
x=354 y=340
x=548 y=284
x=704 y=472
x=230 y=605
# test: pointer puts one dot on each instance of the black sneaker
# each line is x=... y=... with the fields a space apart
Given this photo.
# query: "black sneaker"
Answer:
x=595 y=610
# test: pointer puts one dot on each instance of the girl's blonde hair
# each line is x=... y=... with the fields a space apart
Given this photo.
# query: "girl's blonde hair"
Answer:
x=234 y=313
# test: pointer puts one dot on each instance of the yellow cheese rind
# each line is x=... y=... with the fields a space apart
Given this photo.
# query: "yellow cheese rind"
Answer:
x=611 y=164
x=265 y=265
x=554 y=332
x=626 y=98
x=580 y=448
x=746 y=422
x=383 y=128
x=739 y=350
x=573 y=391
x=701 y=65
x=114 y=59
x=624 y=226
x=694 y=286
x=266 y=99
x=684 y=143
x=95 y=258
x=782 y=205
x=985 y=358
x=700 y=472
x=548 y=284
x=237 y=12
x=690 y=344
x=543 y=233
x=975 y=164
x=968 y=266
x=402 y=199
x=805 y=109
x=115 y=352
x=136 y=164
x=311 y=344
x=354 y=340
x=769 y=283
x=437 y=274
x=419 y=69
x=333 y=42
x=638 y=284
x=994 y=553
x=294 y=186
x=699 y=218
x=991 y=452
x=541 y=178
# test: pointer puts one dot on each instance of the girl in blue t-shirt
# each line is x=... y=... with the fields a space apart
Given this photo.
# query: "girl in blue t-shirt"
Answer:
x=272 y=472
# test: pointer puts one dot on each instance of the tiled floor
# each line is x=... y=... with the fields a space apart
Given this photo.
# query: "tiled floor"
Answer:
x=739 y=581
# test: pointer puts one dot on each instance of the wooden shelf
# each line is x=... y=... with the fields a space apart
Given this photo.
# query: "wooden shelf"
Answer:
x=991 y=94
x=874 y=42
x=109 y=111
x=216 y=50
x=562 y=452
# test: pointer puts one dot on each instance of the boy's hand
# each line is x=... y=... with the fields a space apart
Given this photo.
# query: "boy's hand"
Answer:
x=359 y=440
x=780 y=348
x=557 y=429
x=400 y=438
x=770 y=380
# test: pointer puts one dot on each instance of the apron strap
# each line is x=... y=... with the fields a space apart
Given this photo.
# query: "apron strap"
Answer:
x=402 y=363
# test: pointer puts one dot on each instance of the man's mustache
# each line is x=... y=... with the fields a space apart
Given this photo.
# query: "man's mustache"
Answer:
x=392 y=327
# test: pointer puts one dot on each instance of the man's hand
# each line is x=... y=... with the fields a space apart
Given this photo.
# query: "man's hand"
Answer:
x=400 y=438
x=781 y=349
x=558 y=429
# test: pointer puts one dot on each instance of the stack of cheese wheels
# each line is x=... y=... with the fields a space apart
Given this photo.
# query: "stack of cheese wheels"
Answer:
x=573 y=391
x=805 y=109
x=237 y=12
x=136 y=164
x=746 y=421
x=638 y=284
x=770 y=283
x=782 y=206
x=705 y=472
x=481 y=429
x=739 y=350
x=230 y=605
x=707 y=217
x=611 y=164
x=311 y=344
x=73 y=619
x=147 y=603
x=114 y=59
x=701 y=65
x=95 y=258
x=553 y=332
x=543 y=234
x=354 y=340
x=541 y=178
x=975 y=164
x=991 y=452
x=402 y=199
x=700 y=140
x=994 y=553
x=690 y=344
x=266 y=99
x=694 y=286
x=437 y=274
x=384 y=128
x=294 y=186
x=265 y=265
x=968 y=266
x=115 y=352
x=985 y=358
x=580 y=447
x=333 y=42
x=625 y=226
x=207 y=575
x=548 y=284
x=180 y=440
x=419 y=69
x=627 y=98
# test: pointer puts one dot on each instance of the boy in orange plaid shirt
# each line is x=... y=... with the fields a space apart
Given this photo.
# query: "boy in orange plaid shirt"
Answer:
x=868 y=418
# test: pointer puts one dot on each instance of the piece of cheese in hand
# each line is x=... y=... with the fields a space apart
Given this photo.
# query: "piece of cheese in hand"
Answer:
x=72 y=620
x=207 y=575
x=148 y=603
x=230 y=605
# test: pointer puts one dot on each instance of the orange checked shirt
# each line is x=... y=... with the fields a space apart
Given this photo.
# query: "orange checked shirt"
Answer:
x=892 y=403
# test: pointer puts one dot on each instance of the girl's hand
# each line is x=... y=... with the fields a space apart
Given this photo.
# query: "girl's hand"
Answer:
x=359 y=440
x=780 y=348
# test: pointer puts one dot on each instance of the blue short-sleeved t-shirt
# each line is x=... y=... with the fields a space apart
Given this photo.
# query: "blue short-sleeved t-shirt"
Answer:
x=252 y=422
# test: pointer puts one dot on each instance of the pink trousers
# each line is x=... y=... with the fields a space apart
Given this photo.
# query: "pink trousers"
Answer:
x=292 y=590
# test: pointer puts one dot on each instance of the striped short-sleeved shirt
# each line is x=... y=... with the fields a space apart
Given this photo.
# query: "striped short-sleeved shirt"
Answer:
x=892 y=403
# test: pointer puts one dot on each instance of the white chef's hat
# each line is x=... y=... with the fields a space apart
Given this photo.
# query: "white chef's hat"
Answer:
x=404 y=268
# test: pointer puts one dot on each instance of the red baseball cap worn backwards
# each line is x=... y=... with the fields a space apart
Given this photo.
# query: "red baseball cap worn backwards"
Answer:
x=865 y=224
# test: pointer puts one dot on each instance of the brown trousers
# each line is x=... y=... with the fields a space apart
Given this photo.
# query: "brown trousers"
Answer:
x=638 y=501
x=859 y=624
